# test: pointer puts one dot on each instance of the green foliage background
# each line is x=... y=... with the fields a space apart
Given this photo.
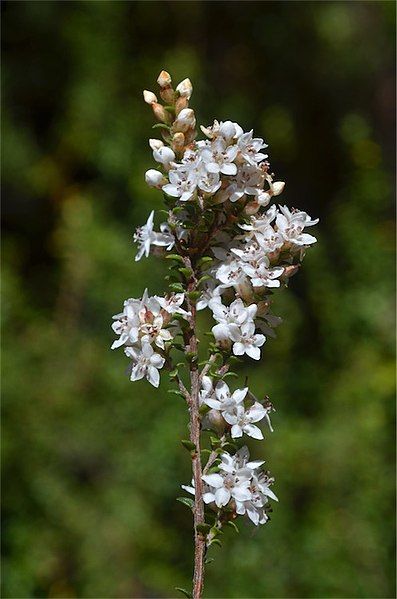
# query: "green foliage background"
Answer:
x=92 y=463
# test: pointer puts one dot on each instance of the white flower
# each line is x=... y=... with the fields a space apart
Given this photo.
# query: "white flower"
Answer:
x=207 y=389
x=145 y=237
x=219 y=158
x=182 y=184
x=255 y=506
x=224 y=488
x=242 y=420
x=251 y=252
x=145 y=363
x=246 y=341
x=172 y=304
x=209 y=292
x=224 y=401
x=231 y=274
x=258 y=225
x=290 y=225
x=250 y=148
x=208 y=182
x=248 y=181
x=164 y=155
x=228 y=130
x=236 y=313
x=154 y=178
x=127 y=323
x=262 y=275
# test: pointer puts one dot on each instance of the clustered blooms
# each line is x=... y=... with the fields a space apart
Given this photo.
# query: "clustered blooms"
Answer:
x=233 y=249
x=241 y=484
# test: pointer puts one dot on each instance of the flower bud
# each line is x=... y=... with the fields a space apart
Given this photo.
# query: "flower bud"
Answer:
x=277 y=187
x=155 y=178
x=160 y=113
x=180 y=104
x=263 y=198
x=164 y=79
x=216 y=421
x=185 y=88
x=252 y=207
x=149 y=97
x=290 y=270
x=185 y=120
x=164 y=155
x=178 y=142
x=156 y=144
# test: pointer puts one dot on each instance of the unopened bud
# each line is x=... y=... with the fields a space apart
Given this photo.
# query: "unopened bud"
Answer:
x=180 y=104
x=289 y=271
x=185 y=120
x=263 y=198
x=164 y=155
x=185 y=88
x=277 y=187
x=164 y=79
x=252 y=207
x=149 y=97
x=160 y=113
x=155 y=178
x=178 y=142
x=156 y=144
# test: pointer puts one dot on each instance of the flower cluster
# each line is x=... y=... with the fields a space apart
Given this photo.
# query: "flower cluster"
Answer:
x=240 y=484
x=232 y=248
x=144 y=328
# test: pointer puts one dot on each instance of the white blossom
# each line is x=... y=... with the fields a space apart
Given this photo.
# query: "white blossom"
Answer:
x=224 y=400
x=250 y=148
x=145 y=237
x=246 y=341
x=219 y=157
x=241 y=420
x=290 y=225
x=224 y=488
x=145 y=363
x=182 y=184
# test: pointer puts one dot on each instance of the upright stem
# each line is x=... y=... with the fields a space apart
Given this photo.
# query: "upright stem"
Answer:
x=199 y=538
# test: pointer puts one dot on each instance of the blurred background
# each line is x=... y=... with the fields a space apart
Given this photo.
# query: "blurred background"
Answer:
x=92 y=463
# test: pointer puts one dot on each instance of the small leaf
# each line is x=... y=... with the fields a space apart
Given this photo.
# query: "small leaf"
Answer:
x=161 y=126
x=204 y=260
x=188 y=445
x=203 y=279
x=228 y=374
x=187 y=272
x=233 y=525
x=208 y=560
x=176 y=287
x=186 y=501
x=204 y=409
x=184 y=592
x=194 y=295
x=215 y=542
x=174 y=257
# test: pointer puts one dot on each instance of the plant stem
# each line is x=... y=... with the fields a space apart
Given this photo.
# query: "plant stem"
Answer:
x=195 y=426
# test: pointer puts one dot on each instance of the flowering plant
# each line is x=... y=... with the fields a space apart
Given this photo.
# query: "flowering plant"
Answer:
x=228 y=250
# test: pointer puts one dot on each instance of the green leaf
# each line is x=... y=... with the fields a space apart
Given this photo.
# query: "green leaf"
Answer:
x=184 y=592
x=215 y=531
x=176 y=287
x=194 y=295
x=208 y=560
x=228 y=374
x=215 y=542
x=188 y=445
x=187 y=272
x=161 y=126
x=186 y=501
x=205 y=260
x=174 y=257
x=233 y=525
x=204 y=409
x=203 y=279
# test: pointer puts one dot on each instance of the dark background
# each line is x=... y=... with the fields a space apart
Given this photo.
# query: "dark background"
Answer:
x=92 y=463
